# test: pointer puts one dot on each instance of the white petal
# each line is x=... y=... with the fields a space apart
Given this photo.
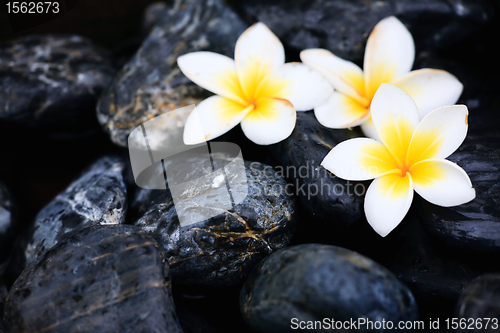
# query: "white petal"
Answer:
x=359 y=159
x=430 y=88
x=387 y=201
x=439 y=134
x=389 y=54
x=341 y=111
x=369 y=129
x=395 y=117
x=442 y=183
x=297 y=83
x=213 y=117
x=258 y=52
x=272 y=121
x=214 y=72
x=344 y=75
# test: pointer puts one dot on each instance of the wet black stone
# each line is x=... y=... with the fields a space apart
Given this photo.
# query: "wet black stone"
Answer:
x=435 y=273
x=474 y=225
x=480 y=81
x=343 y=26
x=323 y=195
x=151 y=84
x=101 y=279
x=52 y=80
x=313 y=281
x=8 y=227
x=220 y=250
x=98 y=196
x=481 y=300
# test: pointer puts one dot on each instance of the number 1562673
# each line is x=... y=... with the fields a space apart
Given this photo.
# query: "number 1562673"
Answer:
x=39 y=7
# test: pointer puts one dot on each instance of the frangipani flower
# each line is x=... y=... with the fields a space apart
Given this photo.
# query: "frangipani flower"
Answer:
x=257 y=89
x=389 y=56
x=410 y=156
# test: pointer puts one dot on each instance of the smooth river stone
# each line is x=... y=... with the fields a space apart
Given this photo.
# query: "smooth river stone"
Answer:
x=435 y=273
x=343 y=26
x=313 y=281
x=151 y=83
x=222 y=249
x=474 y=225
x=98 y=196
x=481 y=300
x=101 y=279
x=323 y=195
x=52 y=80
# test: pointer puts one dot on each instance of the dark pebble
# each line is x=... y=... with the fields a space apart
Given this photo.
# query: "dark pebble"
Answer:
x=52 y=80
x=479 y=301
x=220 y=250
x=102 y=279
x=343 y=26
x=435 y=273
x=474 y=225
x=98 y=196
x=312 y=281
x=323 y=195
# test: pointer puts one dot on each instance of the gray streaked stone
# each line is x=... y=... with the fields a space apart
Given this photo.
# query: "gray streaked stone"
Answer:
x=101 y=279
x=151 y=83
x=343 y=26
x=52 y=80
x=98 y=196
x=220 y=250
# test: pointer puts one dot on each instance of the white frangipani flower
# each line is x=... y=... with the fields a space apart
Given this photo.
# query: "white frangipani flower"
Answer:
x=389 y=57
x=257 y=89
x=409 y=156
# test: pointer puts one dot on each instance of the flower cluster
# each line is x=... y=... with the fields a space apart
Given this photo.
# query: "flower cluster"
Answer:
x=408 y=115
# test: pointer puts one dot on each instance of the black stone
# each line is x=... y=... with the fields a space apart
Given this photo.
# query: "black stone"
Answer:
x=151 y=84
x=98 y=196
x=8 y=227
x=322 y=194
x=481 y=300
x=480 y=81
x=474 y=225
x=312 y=281
x=435 y=273
x=343 y=26
x=52 y=80
x=220 y=250
x=102 y=279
